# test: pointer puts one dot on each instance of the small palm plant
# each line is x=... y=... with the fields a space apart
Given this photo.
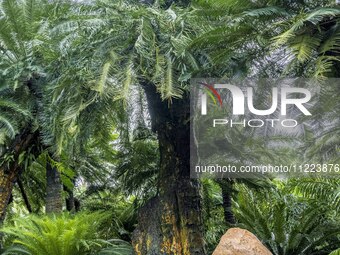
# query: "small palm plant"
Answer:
x=63 y=234
x=287 y=225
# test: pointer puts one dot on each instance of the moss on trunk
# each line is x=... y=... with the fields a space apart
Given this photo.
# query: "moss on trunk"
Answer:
x=171 y=223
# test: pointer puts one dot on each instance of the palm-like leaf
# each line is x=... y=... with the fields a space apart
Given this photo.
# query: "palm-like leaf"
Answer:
x=313 y=37
x=320 y=189
x=284 y=224
x=62 y=235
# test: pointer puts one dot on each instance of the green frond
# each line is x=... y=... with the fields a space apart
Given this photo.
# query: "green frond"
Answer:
x=8 y=126
x=103 y=78
x=267 y=11
x=67 y=174
x=227 y=5
x=319 y=189
x=324 y=66
x=60 y=235
x=12 y=11
x=17 y=108
x=117 y=247
x=336 y=252
x=285 y=224
x=304 y=46
x=15 y=250
x=127 y=81
x=284 y=37
x=146 y=41
x=319 y=15
x=168 y=89
x=168 y=83
x=160 y=62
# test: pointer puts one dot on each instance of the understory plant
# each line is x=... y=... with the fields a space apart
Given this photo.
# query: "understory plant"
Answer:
x=288 y=225
x=63 y=234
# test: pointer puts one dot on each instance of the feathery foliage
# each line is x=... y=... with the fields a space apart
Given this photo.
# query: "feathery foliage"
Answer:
x=285 y=224
x=319 y=189
x=62 y=235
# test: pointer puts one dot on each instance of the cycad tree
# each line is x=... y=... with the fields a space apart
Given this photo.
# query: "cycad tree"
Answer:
x=148 y=46
x=29 y=54
x=286 y=224
x=21 y=36
x=312 y=40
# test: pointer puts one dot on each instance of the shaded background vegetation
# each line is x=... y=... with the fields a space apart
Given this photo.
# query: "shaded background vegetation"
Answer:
x=95 y=128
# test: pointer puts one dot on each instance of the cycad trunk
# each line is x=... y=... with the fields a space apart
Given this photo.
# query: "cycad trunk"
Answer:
x=9 y=170
x=227 y=205
x=54 y=200
x=7 y=180
x=24 y=195
x=70 y=199
x=171 y=223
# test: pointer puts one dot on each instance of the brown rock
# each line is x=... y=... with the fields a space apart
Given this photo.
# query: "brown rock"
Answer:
x=239 y=241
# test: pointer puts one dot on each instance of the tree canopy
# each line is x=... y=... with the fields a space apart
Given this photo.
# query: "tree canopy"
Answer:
x=95 y=132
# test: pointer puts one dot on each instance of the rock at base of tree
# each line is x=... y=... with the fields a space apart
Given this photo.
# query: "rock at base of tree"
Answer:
x=239 y=241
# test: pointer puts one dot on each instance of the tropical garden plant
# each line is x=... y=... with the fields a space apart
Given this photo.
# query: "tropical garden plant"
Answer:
x=286 y=224
x=95 y=116
x=61 y=234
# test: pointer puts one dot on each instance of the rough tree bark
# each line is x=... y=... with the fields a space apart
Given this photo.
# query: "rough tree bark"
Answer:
x=70 y=201
x=171 y=222
x=9 y=171
x=54 y=200
x=227 y=205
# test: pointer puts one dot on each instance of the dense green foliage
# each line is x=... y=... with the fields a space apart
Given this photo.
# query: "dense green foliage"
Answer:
x=286 y=224
x=74 y=72
x=61 y=235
